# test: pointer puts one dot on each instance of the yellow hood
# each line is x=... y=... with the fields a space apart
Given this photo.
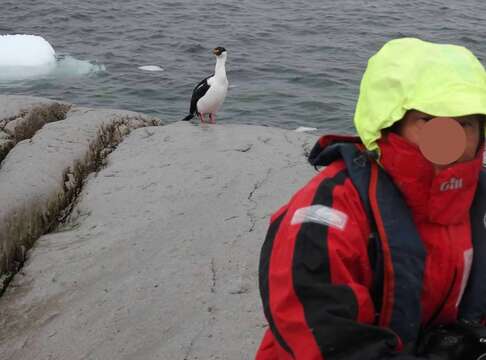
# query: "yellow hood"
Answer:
x=408 y=73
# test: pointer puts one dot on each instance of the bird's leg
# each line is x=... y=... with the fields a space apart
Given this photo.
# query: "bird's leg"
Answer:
x=201 y=117
x=212 y=118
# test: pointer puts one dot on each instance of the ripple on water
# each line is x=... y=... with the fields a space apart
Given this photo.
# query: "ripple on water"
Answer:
x=290 y=63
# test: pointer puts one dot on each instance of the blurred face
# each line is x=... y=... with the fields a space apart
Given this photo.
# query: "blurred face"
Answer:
x=411 y=124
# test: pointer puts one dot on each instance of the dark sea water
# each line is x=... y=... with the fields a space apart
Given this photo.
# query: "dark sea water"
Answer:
x=290 y=63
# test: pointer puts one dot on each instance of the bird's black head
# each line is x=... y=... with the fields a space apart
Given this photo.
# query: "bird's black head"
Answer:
x=219 y=50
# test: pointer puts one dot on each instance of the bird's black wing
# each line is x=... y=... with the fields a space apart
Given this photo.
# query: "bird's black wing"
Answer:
x=198 y=93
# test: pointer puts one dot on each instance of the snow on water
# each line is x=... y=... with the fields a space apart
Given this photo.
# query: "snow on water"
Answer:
x=151 y=68
x=305 y=129
x=25 y=57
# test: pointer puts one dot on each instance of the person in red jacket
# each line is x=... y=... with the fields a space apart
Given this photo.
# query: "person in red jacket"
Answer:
x=381 y=255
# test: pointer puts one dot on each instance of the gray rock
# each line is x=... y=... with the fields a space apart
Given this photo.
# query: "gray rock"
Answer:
x=13 y=105
x=35 y=118
x=22 y=117
x=33 y=177
x=11 y=126
x=4 y=135
x=5 y=146
x=158 y=258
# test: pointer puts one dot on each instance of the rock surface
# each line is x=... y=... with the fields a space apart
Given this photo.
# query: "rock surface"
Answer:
x=13 y=105
x=22 y=116
x=40 y=176
x=159 y=257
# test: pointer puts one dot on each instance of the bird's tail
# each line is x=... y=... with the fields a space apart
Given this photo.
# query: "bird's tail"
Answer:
x=188 y=117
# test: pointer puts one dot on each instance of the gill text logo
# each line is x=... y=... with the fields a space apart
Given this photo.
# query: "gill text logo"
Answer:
x=452 y=184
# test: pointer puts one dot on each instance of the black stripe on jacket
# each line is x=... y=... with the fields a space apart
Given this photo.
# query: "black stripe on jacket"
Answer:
x=264 y=268
x=331 y=311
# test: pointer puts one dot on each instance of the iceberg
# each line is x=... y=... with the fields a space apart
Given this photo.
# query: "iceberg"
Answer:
x=25 y=51
x=26 y=57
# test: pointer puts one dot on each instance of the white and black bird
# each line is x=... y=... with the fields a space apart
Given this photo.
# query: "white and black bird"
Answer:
x=209 y=94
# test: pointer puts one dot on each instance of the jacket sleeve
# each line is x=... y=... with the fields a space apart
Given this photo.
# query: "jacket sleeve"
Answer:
x=315 y=276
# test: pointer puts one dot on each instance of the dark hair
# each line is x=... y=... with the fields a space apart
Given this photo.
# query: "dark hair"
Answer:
x=482 y=129
x=395 y=128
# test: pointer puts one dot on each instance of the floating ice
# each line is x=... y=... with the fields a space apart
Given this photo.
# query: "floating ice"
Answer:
x=67 y=66
x=25 y=50
x=151 y=68
x=24 y=57
x=305 y=129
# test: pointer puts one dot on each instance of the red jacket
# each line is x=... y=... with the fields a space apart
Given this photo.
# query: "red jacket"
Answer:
x=339 y=299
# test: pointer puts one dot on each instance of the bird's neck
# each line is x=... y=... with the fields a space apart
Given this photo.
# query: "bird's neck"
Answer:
x=219 y=69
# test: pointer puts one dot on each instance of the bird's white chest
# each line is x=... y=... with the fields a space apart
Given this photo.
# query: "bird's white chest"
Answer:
x=214 y=97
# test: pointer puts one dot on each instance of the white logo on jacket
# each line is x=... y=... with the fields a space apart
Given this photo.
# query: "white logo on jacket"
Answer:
x=320 y=214
x=452 y=184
